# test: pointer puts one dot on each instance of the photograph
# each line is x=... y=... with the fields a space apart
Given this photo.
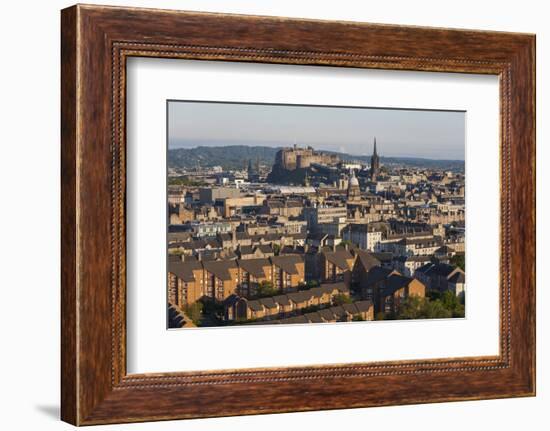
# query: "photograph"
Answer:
x=309 y=214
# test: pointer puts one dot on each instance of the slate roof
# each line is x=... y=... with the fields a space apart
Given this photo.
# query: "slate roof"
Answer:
x=457 y=277
x=394 y=283
x=282 y=300
x=339 y=258
x=326 y=314
x=184 y=270
x=377 y=273
x=366 y=259
x=314 y=317
x=220 y=268
x=255 y=305
x=246 y=249
x=296 y=319
x=268 y=302
x=419 y=241
x=317 y=236
x=255 y=266
x=383 y=257
x=441 y=269
x=225 y=237
x=264 y=248
x=331 y=287
x=363 y=306
x=287 y=249
x=287 y=263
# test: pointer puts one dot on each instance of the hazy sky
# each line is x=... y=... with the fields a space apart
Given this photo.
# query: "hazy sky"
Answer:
x=412 y=133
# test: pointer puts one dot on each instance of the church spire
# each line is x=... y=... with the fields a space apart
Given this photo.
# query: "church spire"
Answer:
x=374 y=163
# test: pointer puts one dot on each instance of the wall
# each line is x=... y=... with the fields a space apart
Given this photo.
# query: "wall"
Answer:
x=29 y=165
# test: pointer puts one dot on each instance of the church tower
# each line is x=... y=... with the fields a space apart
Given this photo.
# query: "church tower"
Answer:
x=253 y=172
x=374 y=163
x=250 y=170
x=354 y=192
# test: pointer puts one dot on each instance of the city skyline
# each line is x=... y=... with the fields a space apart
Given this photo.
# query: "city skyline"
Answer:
x=426 y=134
x=303 y=234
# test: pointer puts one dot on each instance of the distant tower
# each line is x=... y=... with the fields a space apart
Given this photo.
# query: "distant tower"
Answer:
x=306 y=180
x=253 y=174
x=374 y=163
x=354 y=192
x=250 y=170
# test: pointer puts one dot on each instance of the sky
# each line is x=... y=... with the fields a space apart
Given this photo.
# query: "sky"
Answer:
x=404 y=133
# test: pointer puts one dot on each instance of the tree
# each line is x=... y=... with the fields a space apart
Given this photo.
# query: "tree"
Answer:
x=184 y=181
x=433 y=294
x=452 y=303
x=436 y=310
x=446 y=305
x=276 y=249
x=412 y=308
x=194 y=312
x=459 y=260
x=341 y=299
x=264 y=289
x=312 y=283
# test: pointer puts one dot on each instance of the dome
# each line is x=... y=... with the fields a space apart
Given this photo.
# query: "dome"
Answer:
x=353 y=181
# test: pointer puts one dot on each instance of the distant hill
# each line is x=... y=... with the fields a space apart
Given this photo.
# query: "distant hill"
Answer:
x=228 y=157
x=237 y=156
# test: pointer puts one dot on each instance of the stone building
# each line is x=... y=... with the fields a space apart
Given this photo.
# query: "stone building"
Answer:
x=294 y=158
x=191 y=279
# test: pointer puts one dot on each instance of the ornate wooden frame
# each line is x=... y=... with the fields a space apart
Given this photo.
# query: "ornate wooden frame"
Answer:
x=96 y=41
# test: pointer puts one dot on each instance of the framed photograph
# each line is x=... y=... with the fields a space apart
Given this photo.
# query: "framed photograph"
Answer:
x=325 y=214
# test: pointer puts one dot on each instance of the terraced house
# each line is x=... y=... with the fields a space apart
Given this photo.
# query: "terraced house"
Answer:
x=336 y=266
x=361 y=310
x=281 y=306
x=387 y=288
x=191 y=279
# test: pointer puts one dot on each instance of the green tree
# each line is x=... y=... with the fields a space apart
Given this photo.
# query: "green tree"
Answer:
x=185 y=181
x=436 y=310
x=276 y=249
x=446 y=305
x=312 y=283
x=459 y=260
x=341 y=299
x=452 y=303
x=433 y=294
x=194 y=312
x=412 y=308
x=265 y=289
